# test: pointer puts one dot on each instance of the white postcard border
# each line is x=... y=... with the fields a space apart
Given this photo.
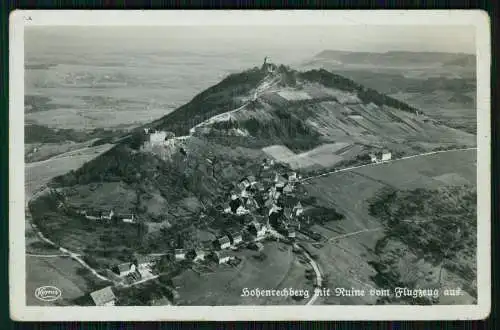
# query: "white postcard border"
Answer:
x=21 y=18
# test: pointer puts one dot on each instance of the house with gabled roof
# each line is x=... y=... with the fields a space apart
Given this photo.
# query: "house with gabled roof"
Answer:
x=223 y=257
x=287 y=212
x=145 y=261
x=241 y=210
x=257 y=229
x=386 y=155
x=124 y=269
x=127 y=218
x=179 y=254
x=104 y=297
x=246 y=183
x=298 y=209
x=235 y=238
x=222 y=243
x=199 y=254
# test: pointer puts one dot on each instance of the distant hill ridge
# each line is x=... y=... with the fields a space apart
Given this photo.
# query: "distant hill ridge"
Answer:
x=396 y=57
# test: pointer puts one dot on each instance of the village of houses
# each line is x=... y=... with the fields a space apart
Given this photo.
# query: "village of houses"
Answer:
x=266 y=206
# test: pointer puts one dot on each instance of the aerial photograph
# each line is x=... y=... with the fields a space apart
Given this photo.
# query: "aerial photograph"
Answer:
x=263 y=165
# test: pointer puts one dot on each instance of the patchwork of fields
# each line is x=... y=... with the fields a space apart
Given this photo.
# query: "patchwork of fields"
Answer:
x=345 y=259
x=40 y=173
x=325 y=155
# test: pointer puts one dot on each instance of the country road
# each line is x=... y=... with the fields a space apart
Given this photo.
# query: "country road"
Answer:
x=319 y=277
x=385 y=162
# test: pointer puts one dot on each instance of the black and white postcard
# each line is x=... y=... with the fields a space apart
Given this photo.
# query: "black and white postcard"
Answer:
x=249 y=165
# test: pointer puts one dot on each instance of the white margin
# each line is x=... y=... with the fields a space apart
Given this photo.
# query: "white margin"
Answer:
x=18 y=20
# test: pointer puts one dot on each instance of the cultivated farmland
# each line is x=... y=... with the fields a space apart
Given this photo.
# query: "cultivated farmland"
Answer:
x=345 y=259
x=279 y=269
x=37 y=174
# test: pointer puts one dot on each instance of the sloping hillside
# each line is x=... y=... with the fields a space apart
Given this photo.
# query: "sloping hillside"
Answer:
x=222 y=135
x=442 y=85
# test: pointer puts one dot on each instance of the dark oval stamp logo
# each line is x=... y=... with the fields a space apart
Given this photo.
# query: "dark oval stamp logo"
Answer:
x=48 y=293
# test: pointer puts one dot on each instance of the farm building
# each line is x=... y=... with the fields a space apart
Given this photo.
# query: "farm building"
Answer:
x=280 y=186
x=373 y=158
x=145 y=261
x=128 y=218
x=235 y=238
x=180 y=254
x=93 y=215
x=104 y=297
x=257 y=246
x=199 y=255
x=241 y=210
x=386 y=155
x=234 y=204
x=157 y=138
x=252 y=204
x=222 y=243
x=257 y=229
x=288 y=189
x=227 y=208
x=223 y=257
x=124 y=269
x=291 y=232
x=244 y=182
x=292 y=176
x=108 y=215
x=245 y=193
x=298 y=209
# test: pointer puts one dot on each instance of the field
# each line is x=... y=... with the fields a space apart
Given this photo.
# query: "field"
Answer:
x=326 y=155
x=39 y=173
x=48 y=150
x=281 y=269
x=61 y=272
x=345 y=260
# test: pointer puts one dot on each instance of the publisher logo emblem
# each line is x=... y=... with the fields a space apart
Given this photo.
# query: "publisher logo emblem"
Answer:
x=48 y=293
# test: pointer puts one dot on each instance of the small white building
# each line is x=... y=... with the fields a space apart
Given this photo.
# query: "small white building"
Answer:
x=241 y=210
x=125 y=268
x=373 y=158
x=298 y=209
x=157 y=138
x=223 y=257
x=386 y=155
x=145 y=262
x=180 y=254
x=199 y=255
x=223 y=243
x=128 y=218
x=236 y=238
x=108 y=216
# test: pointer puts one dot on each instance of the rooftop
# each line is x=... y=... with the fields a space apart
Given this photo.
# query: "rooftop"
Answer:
x=103 y=296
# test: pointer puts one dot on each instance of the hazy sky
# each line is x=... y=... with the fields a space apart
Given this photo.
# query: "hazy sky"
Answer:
x=311 y=39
